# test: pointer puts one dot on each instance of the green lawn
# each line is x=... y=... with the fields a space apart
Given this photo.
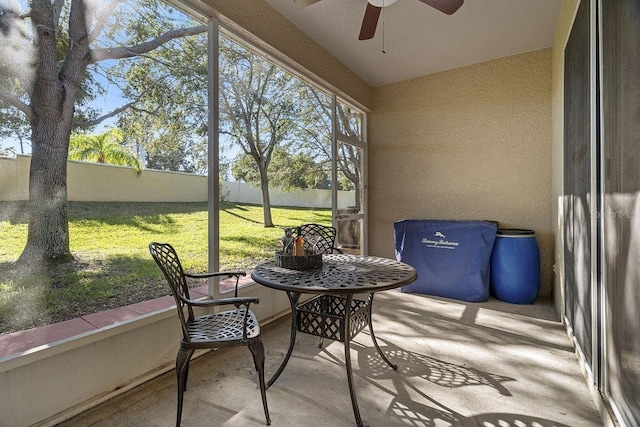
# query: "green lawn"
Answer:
x=112 y=264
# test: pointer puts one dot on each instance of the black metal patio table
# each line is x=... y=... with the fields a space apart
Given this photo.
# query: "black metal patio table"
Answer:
x=340 y=277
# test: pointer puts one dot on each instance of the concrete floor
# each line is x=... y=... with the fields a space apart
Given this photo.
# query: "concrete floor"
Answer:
x=460 y=364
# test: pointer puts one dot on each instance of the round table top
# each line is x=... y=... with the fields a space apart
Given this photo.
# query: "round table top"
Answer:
x=339 y=274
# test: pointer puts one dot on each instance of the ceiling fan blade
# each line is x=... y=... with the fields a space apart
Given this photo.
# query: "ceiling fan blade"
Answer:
x=304 y=3
x=369 y=22
x=445 y=6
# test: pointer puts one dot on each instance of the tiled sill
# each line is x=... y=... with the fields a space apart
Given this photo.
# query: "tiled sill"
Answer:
x=22 y=341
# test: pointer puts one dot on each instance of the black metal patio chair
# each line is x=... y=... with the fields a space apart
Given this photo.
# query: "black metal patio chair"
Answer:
x=320 y=237
x=234 y=327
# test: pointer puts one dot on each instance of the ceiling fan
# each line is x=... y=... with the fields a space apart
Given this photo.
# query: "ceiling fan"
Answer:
x=374 y=7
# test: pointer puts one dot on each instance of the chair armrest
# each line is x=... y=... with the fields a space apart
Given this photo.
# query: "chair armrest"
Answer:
x=237 y=301
x=229 y=274
x=216 y=274
x=225 y=301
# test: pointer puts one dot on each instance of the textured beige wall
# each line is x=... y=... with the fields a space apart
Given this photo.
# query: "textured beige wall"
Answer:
x=468 y=143
x=563 y=27
x=264 y=22
x=106 y=183
x=14 y=177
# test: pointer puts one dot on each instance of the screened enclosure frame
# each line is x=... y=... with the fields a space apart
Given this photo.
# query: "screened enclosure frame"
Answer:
x=237 y=34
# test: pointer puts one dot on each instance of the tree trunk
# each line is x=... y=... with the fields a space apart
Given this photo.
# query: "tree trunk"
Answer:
x=266 y=200
x=52 y=102
x=48 y=236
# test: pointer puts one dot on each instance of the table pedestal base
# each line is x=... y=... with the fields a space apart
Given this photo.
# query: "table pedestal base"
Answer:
x=327 y=316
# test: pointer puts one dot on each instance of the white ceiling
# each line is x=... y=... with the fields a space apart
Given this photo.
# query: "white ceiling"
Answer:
x=420 y=40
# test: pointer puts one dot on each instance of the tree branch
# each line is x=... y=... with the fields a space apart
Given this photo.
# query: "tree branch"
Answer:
x=15 y=101
x=94 y=122
x=89 y=123
x=103 y=54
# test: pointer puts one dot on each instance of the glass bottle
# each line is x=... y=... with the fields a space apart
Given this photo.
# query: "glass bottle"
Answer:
x=299 y=244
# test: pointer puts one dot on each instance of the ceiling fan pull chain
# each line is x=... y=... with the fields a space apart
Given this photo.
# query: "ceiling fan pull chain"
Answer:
x=383 y=13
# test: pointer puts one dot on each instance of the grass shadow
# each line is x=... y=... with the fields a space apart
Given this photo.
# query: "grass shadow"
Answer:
x=229 y=210
x=14 y=212
x=132 y=213
x=75 y=289
x=111 y=213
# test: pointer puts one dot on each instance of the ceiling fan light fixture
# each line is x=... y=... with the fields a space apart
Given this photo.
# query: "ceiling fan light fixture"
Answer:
x=382 y=3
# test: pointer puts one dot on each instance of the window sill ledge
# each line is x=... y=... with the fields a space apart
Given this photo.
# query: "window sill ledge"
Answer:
x=30 y=341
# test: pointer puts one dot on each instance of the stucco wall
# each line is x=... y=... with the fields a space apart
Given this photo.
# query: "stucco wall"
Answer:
x=106 y=183
x=468 y=143
x=14 y=178
x=93 y=182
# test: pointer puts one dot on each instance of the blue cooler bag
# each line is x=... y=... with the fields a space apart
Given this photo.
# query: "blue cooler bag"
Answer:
x=452 y=258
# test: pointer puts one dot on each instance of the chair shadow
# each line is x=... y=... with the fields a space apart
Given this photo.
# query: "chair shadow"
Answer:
x=439 y=372
x=415 y=414
x=405 y=411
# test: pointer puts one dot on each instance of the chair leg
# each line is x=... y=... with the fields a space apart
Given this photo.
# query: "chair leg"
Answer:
x=182 y=371
x=186 y=375
x=257 y=351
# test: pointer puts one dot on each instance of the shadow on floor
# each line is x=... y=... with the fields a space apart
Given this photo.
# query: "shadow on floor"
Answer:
x=459 y=364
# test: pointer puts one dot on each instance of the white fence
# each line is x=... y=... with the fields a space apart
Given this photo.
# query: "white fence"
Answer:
x=108 y=183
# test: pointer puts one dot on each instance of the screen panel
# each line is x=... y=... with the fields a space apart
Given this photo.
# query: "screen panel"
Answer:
x=577 y=181
x=621 y=210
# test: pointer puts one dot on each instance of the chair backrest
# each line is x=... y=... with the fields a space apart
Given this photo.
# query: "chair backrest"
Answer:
x=168 y=261
x=324 y=236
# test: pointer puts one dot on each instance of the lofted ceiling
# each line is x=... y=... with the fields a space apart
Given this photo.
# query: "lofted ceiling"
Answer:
x=418 y=39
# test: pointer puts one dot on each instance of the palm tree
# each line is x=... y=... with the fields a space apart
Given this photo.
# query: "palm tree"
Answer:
x=106 y=147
